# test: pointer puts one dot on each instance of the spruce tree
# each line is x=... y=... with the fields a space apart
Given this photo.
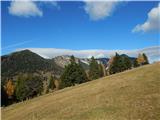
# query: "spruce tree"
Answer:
x=145 y=58
x=94 y=69
x=73 y=74
x=119 y=64
x=20 y=88
x=115 y=65
x=127 y=63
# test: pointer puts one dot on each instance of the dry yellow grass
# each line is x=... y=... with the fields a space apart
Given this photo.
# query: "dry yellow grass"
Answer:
x=131 y=95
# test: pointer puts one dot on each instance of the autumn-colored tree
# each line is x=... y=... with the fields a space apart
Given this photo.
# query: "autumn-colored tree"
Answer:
x=109 y=64
x=142 y=59
x=9 y=88
x=57 y=84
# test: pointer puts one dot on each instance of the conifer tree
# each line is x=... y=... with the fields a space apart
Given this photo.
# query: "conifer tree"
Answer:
x=135 y=63
x=119 y=64
x=145 y=58
x=115 y=65
x=20 y=88
x=73 y=74
x=127 y=63
x=94 y=69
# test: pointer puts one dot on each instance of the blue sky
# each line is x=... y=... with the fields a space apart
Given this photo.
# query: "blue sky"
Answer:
x=78 y=26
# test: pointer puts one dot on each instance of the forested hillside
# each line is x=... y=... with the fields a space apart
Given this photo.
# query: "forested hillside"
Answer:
x=26 y=62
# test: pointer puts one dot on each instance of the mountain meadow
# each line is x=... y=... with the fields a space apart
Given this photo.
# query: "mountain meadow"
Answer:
x=129 y=95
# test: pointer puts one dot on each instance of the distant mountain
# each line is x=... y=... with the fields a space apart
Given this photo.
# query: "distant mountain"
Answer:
x=131 y=58
x=103 y=61
x=26 y=62
x=64 y=60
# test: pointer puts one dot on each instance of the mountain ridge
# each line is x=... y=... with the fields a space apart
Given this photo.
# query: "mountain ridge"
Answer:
x=27 y=61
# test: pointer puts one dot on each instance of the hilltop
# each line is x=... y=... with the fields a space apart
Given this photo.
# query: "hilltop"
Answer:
x=26 y=61
x=130 y=95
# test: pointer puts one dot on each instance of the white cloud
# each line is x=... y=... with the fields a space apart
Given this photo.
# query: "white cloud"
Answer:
x=99 y=10
x=153 y=53
x=24 y=8
x=152 y=23
x=50 y=4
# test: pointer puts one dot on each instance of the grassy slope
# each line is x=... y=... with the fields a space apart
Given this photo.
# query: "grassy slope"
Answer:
x=131 y=95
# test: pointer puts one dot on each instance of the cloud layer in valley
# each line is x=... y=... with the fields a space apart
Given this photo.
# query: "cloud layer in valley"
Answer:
x=153 y=53
x=152 y=23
